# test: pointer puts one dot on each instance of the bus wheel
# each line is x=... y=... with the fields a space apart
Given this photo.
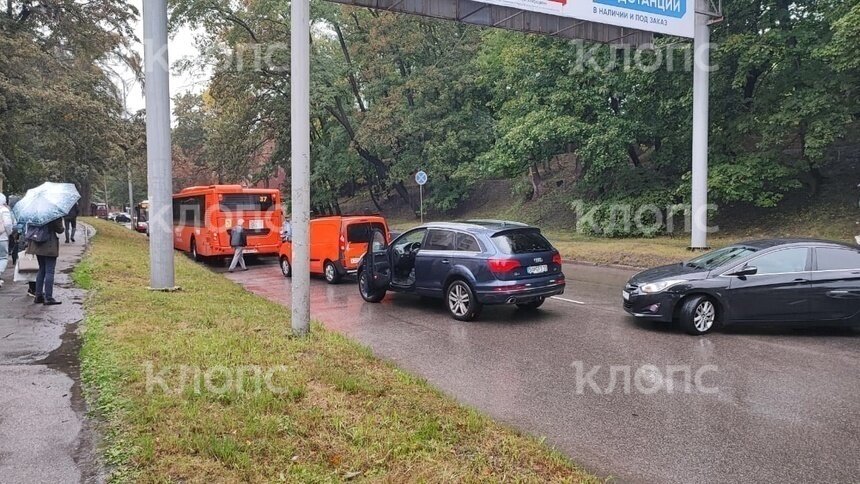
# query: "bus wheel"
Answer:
x=286 y=268
x=331 y=274
x=194 y=254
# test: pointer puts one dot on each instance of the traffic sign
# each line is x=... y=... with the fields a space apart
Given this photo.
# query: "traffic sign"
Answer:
x=421 y=178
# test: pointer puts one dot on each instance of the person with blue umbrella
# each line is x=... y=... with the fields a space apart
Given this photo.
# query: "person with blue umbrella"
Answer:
x=42 y=210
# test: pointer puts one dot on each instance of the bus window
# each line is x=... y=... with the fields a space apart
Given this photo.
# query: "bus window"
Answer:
x=189 y=211
x=247 y=203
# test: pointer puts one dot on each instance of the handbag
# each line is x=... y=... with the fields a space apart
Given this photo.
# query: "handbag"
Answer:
x=38 y=233
x=27 y=263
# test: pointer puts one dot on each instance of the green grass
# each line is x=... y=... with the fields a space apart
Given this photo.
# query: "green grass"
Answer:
x=339 y=413
x=816 y=222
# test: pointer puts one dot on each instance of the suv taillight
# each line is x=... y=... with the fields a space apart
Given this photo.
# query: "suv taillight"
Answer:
x=503 y=266
x=556 y=258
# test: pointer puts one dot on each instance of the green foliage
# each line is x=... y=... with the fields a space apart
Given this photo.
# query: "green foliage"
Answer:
x=61 y=115
x=393 y=94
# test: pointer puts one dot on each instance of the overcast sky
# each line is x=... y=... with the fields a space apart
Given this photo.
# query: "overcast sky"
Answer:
x=182 y=45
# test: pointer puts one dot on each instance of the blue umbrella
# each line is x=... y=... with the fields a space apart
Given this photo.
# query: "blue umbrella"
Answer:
x=46 y=203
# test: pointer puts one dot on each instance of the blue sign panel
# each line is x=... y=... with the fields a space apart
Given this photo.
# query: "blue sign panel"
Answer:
x=668 y=8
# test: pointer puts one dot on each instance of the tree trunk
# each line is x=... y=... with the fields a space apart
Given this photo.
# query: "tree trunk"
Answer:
x=534 y=176
x=374 y=161
x=86 y=198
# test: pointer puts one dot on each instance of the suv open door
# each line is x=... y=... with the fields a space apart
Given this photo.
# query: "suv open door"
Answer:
x=375 y=275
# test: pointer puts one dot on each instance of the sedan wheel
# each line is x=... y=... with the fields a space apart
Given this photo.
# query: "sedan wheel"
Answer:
x=286 y=269
x=698 y=315
x=461 y=302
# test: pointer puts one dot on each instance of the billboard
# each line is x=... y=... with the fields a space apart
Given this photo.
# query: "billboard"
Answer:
x=673 y=17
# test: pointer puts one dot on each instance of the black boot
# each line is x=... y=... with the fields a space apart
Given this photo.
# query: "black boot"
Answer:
x=39 y=300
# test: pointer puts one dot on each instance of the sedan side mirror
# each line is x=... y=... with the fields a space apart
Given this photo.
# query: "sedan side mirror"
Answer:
x=746 y=271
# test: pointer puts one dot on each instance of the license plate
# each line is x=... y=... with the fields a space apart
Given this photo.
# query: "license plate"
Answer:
x=256 y=225
x=250 y=251
x=625 y=295
x=537 y=269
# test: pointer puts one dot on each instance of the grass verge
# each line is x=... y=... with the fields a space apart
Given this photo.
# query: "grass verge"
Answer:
x=163 y=370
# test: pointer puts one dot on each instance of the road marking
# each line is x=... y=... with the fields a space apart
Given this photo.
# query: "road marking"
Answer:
x=568 y=300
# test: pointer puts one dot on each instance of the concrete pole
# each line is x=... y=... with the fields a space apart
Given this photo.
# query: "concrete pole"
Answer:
x=158 y=155
x=130 y=197
x=300 y=107
x=701 y=95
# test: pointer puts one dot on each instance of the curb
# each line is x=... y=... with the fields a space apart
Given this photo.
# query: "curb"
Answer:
x=597 y=264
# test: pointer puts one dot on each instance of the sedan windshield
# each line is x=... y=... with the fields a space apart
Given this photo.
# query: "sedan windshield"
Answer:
x=721 y=257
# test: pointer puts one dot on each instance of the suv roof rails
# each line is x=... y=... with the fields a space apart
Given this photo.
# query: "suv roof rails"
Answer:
x=351 y=214
x=503 y=223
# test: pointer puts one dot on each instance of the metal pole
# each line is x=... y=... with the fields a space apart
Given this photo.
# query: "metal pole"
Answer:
x=130 y=197
x=701 y=81
x=421 y=196
x=158 y=156
x=300 y=84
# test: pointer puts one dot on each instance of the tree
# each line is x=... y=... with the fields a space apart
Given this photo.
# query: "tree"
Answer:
x=60 y=114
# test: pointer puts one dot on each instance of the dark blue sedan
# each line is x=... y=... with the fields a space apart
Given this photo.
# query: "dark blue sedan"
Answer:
x=468 y=264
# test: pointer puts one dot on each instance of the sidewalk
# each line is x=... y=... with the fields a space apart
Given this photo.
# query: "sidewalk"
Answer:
x=44 y=435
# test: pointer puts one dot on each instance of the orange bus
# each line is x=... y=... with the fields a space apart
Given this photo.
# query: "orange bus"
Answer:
x=203 y=217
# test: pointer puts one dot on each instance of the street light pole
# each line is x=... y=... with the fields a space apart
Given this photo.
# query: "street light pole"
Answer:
x=701 y=99
x=158 y=155
x=300 y=84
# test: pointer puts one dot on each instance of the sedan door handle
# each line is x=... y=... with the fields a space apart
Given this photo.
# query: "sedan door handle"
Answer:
x=838 y=293
x=445 y=261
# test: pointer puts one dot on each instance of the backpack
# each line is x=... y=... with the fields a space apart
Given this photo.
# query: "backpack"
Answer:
x=37 y=233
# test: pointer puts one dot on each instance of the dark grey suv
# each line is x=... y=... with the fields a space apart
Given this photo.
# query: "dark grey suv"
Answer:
x=468 y=264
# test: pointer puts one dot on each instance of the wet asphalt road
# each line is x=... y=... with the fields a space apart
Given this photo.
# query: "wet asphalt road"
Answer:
x=780 y=404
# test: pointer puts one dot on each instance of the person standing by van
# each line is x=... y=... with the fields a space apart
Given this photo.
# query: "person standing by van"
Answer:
x=46 y=248
x=238 y=240
x=7 y=226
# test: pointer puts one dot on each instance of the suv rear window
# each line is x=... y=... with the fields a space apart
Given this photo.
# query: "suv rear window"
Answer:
x=360 y=232
x=521 y=242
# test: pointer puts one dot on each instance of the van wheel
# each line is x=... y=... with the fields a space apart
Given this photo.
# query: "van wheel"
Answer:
x=194 y=254
x=532 y=304
x=698 y=315
x=286 y=268
x=331 y=274
x=461 y=301
x=367 y=292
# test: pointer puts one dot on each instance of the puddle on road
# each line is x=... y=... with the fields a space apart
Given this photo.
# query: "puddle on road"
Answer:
x=66 y=359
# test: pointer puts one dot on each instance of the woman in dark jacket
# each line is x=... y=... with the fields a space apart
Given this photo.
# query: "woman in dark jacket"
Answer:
x=47 y=253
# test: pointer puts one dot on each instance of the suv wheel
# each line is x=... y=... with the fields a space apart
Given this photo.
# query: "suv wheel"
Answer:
x=698 y=315
x=331 y=274
x=532 y=304
x=367 y=292
x=461 y=301
x=286 y=268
